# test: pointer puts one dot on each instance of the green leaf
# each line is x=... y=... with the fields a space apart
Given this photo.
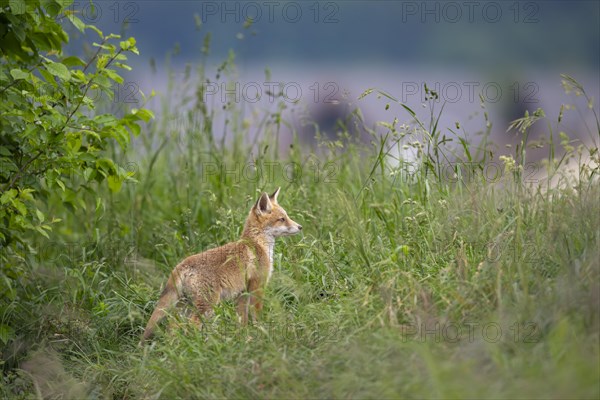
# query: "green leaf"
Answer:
x=121 y=134
x=40 y=215
x=92 y=134
x=114 y=76
x=20 y=206
x=89 y=173
x=103 y=82
x=76 y=22
x=109 y=47
x=17 y=7
x=19 y=74
x=142 y=113
x=8 y=196
x=410 y=111
x=79 y=76
x=42 y=231
x=124 y=66
x=26 y=194
x=95 y=29
x=6 y=333
x=102 y=61
x=114 y=183
x=59 y=70
x=135 y=128
x=43 y=41
x=105 y=119
x=128 y=44
x=74 y=142
x=48 y=77
x=61 y=184
x=106 y=164
x=73 y=61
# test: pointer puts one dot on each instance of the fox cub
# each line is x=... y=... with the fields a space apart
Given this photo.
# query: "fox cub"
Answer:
x=236 y=270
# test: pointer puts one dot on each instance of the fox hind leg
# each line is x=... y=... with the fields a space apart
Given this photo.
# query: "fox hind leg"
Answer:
x=204 y=303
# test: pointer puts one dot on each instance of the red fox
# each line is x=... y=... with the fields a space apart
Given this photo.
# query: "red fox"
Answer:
x=236 y=270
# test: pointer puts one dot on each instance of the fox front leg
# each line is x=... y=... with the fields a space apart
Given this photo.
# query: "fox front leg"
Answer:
x=257 y=304
x=250 y=302
x=256 y=298
x=243 y=303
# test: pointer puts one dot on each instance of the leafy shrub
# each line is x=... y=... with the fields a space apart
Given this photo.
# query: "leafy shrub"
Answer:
x=52 y=139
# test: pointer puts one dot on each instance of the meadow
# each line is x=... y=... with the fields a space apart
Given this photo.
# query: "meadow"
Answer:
x=420 y=277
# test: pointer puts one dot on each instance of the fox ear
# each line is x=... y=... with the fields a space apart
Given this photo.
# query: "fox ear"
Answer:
x=263 y=205
x=273 y=197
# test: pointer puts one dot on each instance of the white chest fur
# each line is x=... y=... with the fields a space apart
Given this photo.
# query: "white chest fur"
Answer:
x=271 y=246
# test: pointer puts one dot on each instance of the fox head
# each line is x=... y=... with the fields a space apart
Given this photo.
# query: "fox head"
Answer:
x=269 y=218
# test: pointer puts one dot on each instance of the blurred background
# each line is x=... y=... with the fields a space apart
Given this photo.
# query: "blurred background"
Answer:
x=320 y=56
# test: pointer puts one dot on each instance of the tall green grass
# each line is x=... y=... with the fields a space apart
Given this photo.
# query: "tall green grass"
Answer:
x=407 y=282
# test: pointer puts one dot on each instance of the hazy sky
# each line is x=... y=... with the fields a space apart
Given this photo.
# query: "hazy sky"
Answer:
x=470 y=34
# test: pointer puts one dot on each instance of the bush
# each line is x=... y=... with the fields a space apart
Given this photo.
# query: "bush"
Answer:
x=53 y=141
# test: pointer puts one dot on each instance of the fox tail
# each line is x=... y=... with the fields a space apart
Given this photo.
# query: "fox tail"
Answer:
x=168 y=299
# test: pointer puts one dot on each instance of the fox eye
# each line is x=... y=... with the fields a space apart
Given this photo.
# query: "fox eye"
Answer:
x=282 y=219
